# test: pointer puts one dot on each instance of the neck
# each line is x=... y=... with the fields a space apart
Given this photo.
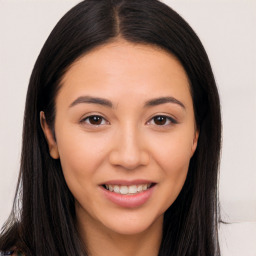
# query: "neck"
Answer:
x=99 y=240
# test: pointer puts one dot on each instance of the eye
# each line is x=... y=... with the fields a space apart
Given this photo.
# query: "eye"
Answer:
x=162 y=120
x=95 y=120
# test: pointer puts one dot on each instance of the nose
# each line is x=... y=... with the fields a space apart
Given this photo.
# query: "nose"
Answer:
x=129 y=150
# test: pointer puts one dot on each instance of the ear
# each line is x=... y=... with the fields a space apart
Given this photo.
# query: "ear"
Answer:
x=53 y=148
x=194 y=144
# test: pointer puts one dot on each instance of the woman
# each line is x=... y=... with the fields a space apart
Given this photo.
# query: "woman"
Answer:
x=121 y=138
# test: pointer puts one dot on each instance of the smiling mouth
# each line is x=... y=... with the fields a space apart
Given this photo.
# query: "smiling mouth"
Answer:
x=128 y=190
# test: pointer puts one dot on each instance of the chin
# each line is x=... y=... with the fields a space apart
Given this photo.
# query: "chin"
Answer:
x=130 y=225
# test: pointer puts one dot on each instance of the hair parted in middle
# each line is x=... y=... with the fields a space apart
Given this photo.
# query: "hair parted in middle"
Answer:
x=47 y=223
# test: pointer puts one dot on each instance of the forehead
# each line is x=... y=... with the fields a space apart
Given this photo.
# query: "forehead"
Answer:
x=127 y=54
x=124 y=68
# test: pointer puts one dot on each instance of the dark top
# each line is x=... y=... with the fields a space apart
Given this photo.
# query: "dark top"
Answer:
x=13 y=253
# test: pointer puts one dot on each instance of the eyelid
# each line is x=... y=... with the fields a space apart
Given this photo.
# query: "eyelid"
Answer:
x=83 y=119
x=171 y=119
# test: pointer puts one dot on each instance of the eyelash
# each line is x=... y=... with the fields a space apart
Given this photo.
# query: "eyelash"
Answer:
x=170 y=120
x=84 y=120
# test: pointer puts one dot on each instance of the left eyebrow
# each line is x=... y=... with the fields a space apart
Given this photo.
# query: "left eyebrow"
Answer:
x=92 y=100
x=163 y=100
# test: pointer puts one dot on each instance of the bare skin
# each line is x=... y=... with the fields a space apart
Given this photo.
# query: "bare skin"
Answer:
x=124 y=112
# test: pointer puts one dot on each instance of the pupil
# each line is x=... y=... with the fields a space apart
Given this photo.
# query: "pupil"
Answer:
x=95 y=120
x=160 y=120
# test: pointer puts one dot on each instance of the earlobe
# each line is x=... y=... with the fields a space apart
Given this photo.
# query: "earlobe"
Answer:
x=194 y=145
x=52 y=145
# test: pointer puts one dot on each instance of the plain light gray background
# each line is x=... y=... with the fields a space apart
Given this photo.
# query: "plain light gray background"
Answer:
x=228 y=31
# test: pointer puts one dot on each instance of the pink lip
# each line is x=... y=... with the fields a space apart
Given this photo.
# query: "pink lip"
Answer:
x=128 y=201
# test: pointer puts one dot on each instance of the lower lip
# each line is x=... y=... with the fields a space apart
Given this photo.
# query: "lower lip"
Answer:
x=128 y=201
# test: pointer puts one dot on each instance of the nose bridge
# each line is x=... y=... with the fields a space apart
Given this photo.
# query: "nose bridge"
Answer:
x=129 y=151
x=130 y=140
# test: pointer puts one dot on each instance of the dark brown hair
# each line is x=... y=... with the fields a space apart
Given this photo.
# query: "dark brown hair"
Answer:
x=45 y=222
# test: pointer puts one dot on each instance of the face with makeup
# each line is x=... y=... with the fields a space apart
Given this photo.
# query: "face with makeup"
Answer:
x=125 y=133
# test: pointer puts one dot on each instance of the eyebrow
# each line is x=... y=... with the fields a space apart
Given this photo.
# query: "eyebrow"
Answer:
x=163 y=100
x=92 y=100
x=108 y=103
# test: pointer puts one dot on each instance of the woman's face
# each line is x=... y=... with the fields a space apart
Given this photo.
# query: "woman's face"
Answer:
x=124 y=122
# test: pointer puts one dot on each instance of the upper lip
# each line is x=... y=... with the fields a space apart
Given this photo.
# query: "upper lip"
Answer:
x=128 y=182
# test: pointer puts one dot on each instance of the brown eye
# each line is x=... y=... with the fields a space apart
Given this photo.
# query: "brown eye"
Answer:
x=162 y=120
x=94 y=120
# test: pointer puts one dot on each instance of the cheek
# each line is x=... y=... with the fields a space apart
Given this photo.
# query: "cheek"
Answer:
x=175 y=163
x=173 y=157
x=80 y=158
x=174 y=151
x=79 y=161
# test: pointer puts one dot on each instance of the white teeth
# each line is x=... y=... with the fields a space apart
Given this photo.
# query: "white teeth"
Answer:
x=144 y=187
x=116 y=189
x=139 y=188
x=133 y=189
x=125 y=190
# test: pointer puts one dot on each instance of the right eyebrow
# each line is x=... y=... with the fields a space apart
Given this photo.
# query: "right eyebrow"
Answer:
x=91 y=100
x=163 y=100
